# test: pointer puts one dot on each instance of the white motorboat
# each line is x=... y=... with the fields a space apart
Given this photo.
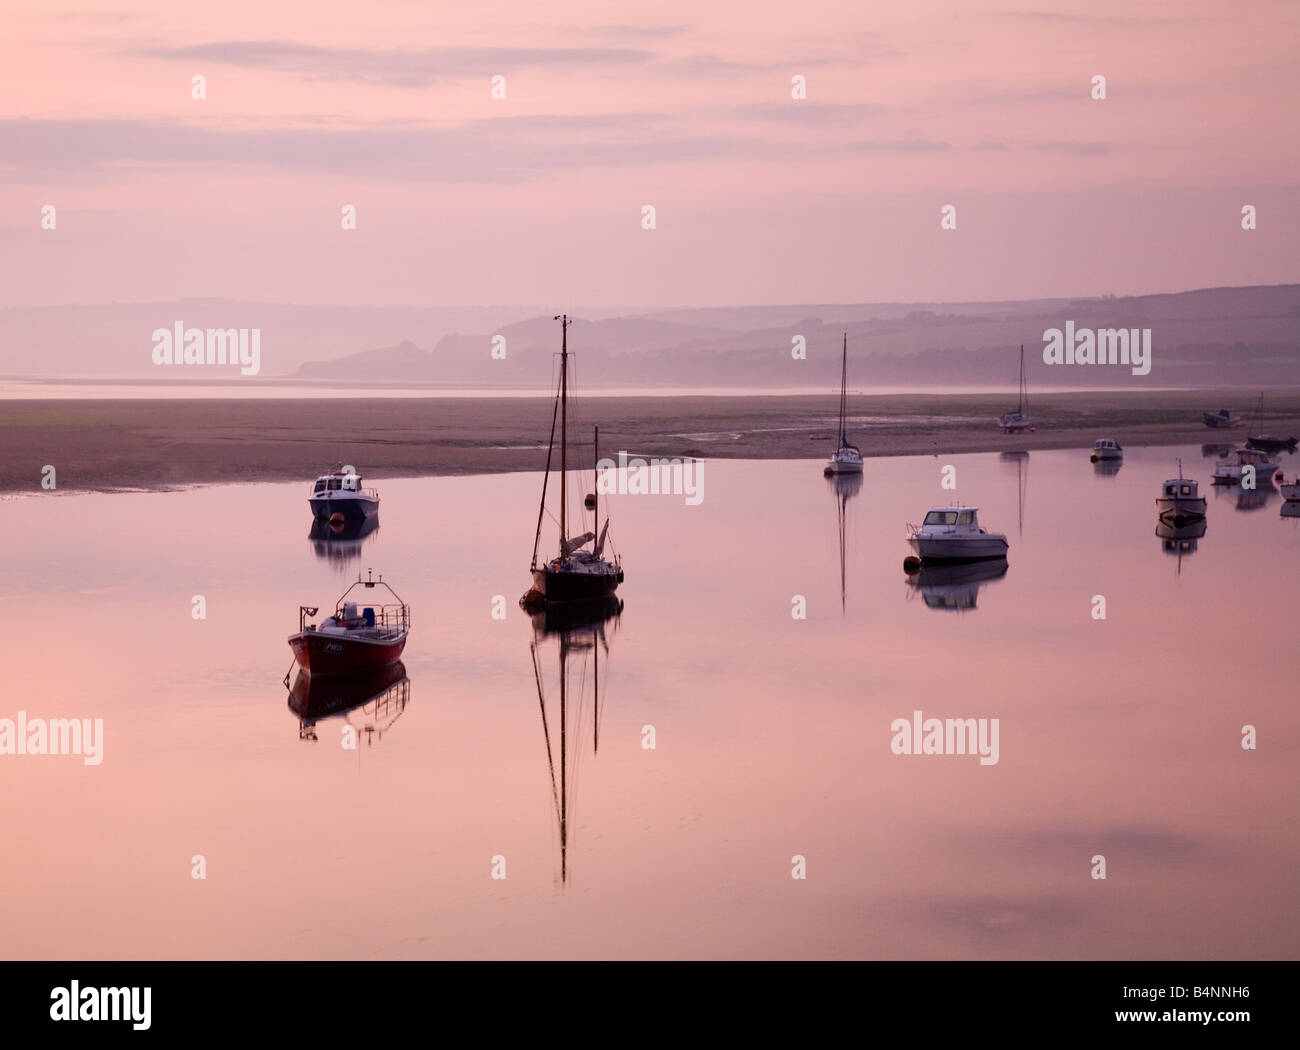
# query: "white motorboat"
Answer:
x=847 y=458
x=1018 y=422
x=339 y=496
x=1251 y=463
x=1105 y=448
x=954 y=534
x=1180 y=499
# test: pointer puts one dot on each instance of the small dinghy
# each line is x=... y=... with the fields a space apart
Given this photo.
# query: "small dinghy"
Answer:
x=1105 y=448
x=359 y=636
x=954 y=534
x=1221 y=419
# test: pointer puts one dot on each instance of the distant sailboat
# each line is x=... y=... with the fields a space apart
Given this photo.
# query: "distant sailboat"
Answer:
x=1018 y=422
x=846 y=459
x=1267 y=442
x=574 y=574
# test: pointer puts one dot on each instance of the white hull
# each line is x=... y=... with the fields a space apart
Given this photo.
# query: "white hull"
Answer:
x=1231 y=473
x=959 y=548
x=844 y=465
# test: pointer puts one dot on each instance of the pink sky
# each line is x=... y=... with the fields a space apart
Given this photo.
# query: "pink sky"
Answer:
x=463 y=200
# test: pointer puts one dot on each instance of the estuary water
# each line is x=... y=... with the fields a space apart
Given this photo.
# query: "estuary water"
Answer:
x=476 y=819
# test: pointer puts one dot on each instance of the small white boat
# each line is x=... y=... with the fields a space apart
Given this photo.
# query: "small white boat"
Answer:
x=1105 y=448
x=847 y=458
x=339 y=495
x=1180 y=499
x=954 y=534
x=1250 y=462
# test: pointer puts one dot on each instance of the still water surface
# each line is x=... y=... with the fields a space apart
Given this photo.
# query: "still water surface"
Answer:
x=1118 y=737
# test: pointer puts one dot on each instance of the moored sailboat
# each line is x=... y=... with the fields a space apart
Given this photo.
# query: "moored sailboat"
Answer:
x=847 y=458
x=575 y=574
x=1018 y=422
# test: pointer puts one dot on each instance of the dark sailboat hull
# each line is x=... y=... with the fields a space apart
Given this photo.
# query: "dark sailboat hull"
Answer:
x=562 y=585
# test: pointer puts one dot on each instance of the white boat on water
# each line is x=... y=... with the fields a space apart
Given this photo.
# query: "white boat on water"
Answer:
x=1105 y=448
x=1180 y=499
x=847 y=458
x=954 y=534
x=1018 y=422
x=1250 y=463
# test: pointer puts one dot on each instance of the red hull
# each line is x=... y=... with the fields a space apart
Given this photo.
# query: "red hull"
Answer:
x=320 y=653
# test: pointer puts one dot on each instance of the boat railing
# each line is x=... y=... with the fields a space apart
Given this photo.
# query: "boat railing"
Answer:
x=389 y=620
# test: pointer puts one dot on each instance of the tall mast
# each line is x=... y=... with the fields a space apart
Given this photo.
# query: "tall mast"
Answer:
x=844 y=381
x=595 y=479
x=564 y=770
x=1022 y=379
x=564 y=425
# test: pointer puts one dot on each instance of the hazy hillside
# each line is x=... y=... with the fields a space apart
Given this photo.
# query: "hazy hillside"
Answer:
x=1235 y=336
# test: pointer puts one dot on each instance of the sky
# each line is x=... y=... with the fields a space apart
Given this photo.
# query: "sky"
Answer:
x=538 y=197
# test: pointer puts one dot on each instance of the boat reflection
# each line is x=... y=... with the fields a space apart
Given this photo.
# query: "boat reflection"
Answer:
x=845 y=487
x=1178 y=540
x=1244 y=498
x=1291 y=509
x=1218 y=451
x=369 y=701
x=1106 y=468
x=955 y=587
x=578 y=631
x=1021 y=459
x=340 y=542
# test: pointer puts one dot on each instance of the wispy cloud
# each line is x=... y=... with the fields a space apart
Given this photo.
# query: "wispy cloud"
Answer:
x=392 y=67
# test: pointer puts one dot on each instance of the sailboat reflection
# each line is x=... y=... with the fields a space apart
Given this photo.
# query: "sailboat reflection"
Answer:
x=580 y=630
x=955 y=587
x=1179 y=539
x=1021 y=460
x=370 y=701
x=340 y=542
x=845 y=486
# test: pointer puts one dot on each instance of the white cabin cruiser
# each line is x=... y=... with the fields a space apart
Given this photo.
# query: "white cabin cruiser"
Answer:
x=1251 y=463
x=954 y=534
x=1105 y=448
x=340 y=493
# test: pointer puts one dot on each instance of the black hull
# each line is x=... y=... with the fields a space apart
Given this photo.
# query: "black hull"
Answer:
x=559 y=587
x=1266 y=444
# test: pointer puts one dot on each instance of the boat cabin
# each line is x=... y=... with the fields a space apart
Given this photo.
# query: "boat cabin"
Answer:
x=1180 y=487
x=337 y=483
x=1106 y=445
x=960 y=517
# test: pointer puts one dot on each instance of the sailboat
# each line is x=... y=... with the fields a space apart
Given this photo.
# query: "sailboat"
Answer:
x=1267 y=442
x=1018 y=422
x=574 y=574
x=581 y=632
x=846 y=459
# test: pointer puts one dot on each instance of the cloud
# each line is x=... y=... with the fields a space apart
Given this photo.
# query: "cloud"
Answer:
x=394 y=68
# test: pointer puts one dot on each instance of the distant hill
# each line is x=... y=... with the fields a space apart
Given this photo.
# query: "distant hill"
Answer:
x=1218 y=336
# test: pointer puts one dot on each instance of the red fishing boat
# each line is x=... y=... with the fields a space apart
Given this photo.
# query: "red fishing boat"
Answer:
x=361 y=635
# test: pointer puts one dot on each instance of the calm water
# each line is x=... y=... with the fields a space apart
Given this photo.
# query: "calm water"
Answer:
x=1118 y=737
